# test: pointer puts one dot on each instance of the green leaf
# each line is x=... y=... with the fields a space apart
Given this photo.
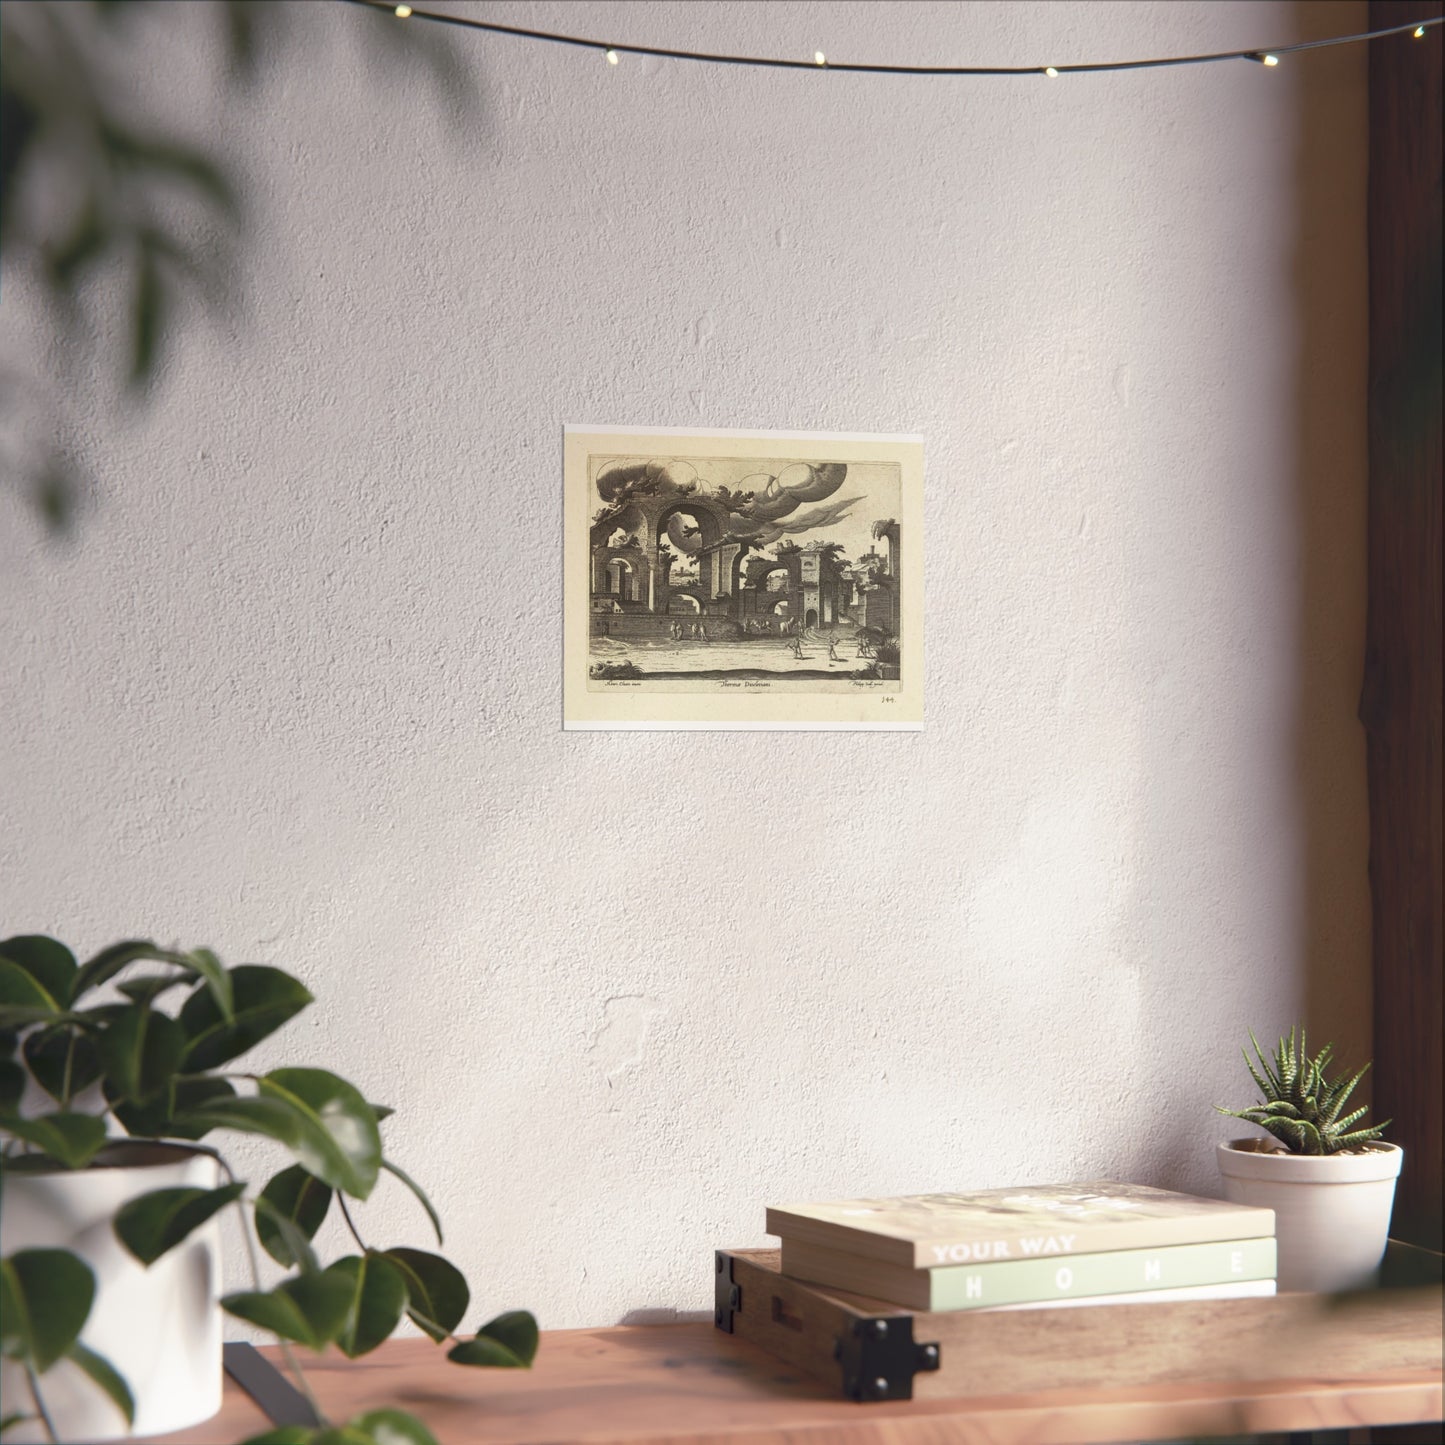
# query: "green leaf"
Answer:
x=23 y=999
x=284 y=1435
x=269 y=1117
x=141 y=1051
x=382 y=1111
x=310 y=1310
x=50 y=964
x=104 y=1374
x=341 y=1435
x=164 y=1116
x=11 y=1421
x=14 y=1323
x=12 y=1086
x=151 y=1224
x=109 y=962
x=416 y=1189
x=392 y=1427
x=73 y=1139
x=263 y=999
x=296 y=1196
x=186 y=1094
x=64 y=1061
x=507 y=1342
x=437 y=1293
x=45 y=1299
x=340 y=1143
x=96 y=1019
x=210 y=968
x=378 y=1296
x=148 y=989
x=330 y=1142
x=295 y=1243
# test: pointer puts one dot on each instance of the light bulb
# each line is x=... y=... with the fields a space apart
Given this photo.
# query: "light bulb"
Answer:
x=1419 y=32
x=1051 y=72
x=1271 y=60
x=402 y=11
x=612 y=57
x=819 y=58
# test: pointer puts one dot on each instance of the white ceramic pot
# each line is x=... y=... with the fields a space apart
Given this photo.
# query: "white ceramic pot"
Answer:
x=160 y=1327
x=1331 y=1211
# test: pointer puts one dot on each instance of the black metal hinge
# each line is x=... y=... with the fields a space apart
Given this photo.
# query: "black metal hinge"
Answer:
x=880 y=1358
x=727 y=1296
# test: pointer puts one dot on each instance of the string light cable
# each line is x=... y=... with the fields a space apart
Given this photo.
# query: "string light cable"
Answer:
x=612 y=50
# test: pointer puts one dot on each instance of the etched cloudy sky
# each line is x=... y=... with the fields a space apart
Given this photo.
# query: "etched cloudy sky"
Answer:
x=831 y=509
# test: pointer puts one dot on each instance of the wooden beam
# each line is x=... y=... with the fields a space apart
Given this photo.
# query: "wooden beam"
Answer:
x=1400 y=703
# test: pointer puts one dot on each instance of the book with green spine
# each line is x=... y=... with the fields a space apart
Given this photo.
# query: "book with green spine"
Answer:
x=1034 y=1281
x=924 y=1231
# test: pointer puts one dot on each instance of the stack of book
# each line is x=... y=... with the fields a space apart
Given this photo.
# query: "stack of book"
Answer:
x=1031 y=1247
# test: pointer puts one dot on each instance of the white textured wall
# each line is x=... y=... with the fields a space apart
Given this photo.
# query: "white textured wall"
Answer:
x=293 y=691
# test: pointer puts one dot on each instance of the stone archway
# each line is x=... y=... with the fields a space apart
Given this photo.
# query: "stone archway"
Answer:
x=621 y=580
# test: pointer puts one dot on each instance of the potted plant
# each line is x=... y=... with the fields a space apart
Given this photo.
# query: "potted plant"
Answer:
x=1331 y=1185
x=110 y=1191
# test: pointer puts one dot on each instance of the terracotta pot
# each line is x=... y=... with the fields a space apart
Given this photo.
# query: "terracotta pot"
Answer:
x=160 y=1327
x=1331 y=1211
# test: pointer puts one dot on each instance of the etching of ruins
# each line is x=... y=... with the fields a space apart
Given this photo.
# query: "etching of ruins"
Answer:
x=727 y=572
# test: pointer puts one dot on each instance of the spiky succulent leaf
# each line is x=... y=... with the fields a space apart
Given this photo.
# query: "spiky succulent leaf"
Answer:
x=1259 y=1083
x=1361 y=1136
x=1299 y=1105
x=1338 y=1126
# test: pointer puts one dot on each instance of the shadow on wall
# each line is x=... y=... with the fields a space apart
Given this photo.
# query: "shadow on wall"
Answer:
x=92 y=187
x=1331 y=304
x=1324 y=964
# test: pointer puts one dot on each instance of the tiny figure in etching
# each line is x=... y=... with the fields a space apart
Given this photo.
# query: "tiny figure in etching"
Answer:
x=833 y=651
x=701 y=632
x=797 y=646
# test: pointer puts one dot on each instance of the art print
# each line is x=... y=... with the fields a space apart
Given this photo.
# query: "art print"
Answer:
x=742 y=580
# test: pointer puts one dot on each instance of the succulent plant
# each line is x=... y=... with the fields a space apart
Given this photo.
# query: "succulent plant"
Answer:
x=1301 y=1107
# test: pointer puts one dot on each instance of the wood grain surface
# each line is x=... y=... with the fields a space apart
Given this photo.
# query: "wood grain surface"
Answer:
x=670 y=1384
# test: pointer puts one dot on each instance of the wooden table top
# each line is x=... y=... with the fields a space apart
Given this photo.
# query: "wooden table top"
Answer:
x=694 y=1385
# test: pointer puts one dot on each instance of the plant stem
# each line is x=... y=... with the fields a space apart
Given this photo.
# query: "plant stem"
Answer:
x=346 y=1215
x=39 y=1403
x=69 y=1067
x=292 y=1363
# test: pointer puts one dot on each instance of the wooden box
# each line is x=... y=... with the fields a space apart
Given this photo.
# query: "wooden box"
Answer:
x=871 y=1350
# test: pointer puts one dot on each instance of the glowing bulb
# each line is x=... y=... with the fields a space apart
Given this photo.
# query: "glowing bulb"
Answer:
x=402 y=11
x=1051 y=72
x=1271 y=60
x=612 y=57
x=1419 y=32
x=819 y=58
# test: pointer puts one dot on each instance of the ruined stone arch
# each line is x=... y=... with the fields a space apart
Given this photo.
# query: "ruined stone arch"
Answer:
x=711 y=517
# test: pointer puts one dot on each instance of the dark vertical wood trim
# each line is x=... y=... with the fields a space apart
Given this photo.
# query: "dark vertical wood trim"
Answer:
x=1400 y=702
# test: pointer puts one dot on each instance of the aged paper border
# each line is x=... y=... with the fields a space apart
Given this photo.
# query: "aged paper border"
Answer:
x=900 y=711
